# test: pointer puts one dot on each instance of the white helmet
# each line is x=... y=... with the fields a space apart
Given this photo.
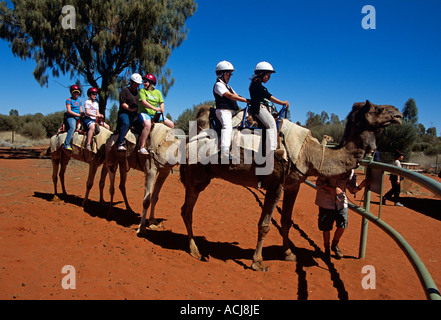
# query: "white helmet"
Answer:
x=136 y=77
x=263 y=67
x=224 y=66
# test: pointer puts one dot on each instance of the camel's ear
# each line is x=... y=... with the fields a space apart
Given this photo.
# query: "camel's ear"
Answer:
x=368 y=103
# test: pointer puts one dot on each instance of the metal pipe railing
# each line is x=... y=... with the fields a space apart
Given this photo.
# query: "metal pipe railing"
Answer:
x=430 y=288
x=430 y=184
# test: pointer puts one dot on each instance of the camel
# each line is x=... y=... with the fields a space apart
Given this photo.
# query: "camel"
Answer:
x=60 y=155
x=363 y=122
x=326 y=139
x=164 y=153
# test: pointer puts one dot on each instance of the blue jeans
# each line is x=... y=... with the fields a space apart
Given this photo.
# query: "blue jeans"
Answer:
x=124 y=122
x=72 y=126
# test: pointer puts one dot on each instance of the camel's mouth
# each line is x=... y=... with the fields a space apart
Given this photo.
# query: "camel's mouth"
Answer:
x=397 y=119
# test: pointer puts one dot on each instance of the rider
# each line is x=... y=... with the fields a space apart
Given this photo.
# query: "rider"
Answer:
x=226 y=104
x=259 y=105
x=92 y=112
x=74 y=108
x=150 y=103
x=128 y=108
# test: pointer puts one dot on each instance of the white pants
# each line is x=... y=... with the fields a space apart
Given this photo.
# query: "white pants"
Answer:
x=226 y=118
x=268 y=121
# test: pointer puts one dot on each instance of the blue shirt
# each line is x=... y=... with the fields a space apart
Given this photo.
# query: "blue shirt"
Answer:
x=74 y=104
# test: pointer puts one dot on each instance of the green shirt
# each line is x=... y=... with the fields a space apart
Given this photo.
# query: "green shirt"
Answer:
x=153 y=97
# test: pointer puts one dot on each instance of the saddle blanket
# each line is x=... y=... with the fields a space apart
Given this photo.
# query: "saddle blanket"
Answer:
x=204 y=147
x=79 y=141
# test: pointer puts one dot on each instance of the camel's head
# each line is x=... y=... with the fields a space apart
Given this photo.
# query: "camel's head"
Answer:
x=373 y=117
x=366 y=120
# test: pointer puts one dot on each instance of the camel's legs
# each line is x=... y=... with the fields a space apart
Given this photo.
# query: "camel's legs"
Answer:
x=272 y=197
x=102 y=182
x=289 y=198
x=151 y=198
x=64 y=162
x=191 y=196
x=158 y=186
x=122 y=183
x=112 y=173
x=89 y=184
x=55 y=167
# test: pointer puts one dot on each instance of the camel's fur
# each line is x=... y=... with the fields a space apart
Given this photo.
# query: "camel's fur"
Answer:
x=363 y=123
x=61 y=156
x=155 y=166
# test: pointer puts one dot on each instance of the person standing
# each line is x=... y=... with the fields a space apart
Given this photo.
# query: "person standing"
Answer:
x=394 y=193
x=333 y=207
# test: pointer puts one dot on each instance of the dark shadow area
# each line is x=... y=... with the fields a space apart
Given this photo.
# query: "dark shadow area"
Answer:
x=307 y=258
x=209 y=249
x=166 y=238
x=428 y=207
x=96 y=209
x=28 y=153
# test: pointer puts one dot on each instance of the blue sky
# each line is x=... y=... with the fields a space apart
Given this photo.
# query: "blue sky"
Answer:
x=324 y=59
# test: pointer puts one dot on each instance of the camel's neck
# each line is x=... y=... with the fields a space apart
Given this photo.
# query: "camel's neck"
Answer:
x=329 y=162
x=338 y=161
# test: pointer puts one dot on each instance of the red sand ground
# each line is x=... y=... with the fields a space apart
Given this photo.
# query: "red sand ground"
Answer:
x=39 y=237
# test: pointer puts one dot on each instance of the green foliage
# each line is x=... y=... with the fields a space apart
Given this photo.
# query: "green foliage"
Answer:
x=33 y=130
x=110 y=38
x=397 y=137
x=7 y=123
x=190 y=115
x=433 y=149
x=410 y=111
x=52 y=122
x=335 y=130
x=112 y=120
x=313 y=120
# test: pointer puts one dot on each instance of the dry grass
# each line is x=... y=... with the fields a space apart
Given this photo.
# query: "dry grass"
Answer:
x=20 y=141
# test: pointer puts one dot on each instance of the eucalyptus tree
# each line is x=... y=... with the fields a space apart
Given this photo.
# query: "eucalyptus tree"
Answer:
x=102 y=41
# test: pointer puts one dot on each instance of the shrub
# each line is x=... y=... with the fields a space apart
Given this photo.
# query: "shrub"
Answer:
x=33 y=130
x=52 y=122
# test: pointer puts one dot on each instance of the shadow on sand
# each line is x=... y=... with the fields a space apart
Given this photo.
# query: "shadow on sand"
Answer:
x=224 y=251
x=307 y=258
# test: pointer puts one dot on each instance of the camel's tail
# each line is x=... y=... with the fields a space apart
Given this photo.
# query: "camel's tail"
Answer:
x=45 y=153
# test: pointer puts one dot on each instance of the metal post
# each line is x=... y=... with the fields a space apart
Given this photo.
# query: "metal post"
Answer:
x=364 y=221
x=381 y=195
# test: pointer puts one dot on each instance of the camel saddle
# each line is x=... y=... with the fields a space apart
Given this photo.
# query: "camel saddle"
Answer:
x=207 y=146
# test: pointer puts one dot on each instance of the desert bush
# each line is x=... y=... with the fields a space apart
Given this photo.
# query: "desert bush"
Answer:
x=334 y=130
x=33 y=130
x=52 y=122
